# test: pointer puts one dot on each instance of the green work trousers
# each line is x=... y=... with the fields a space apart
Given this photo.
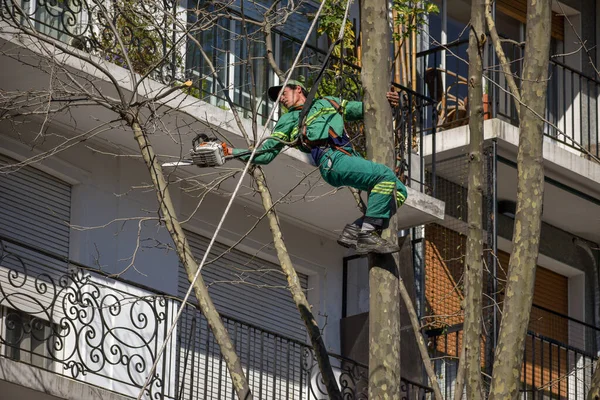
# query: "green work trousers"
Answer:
x=340 y=169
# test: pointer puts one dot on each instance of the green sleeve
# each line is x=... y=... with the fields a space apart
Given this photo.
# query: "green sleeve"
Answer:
x=271 y=147
x=353 y=110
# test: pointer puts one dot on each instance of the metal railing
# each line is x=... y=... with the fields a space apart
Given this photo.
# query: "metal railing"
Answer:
x=558 y=361
x=414 y=117
x=145 y=29
x=74 y=321
x=572 y=107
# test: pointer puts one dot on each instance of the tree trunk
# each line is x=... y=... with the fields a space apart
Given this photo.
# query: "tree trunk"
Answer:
x=474 y=254
x=297 y=294
x=416 y=325
x=530 y=190
x=240 y=383
x=384 y=302
x=594 y=393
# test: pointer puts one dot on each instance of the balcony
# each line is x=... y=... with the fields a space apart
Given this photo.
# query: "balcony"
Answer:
x=558 y=363
x=572 y=107
x=75 y=322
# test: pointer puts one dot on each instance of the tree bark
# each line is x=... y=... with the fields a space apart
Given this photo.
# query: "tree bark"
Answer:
x=298 y=296
x=530 y=190
x=594 y=393
x=414 y=322
x=296 y=289
x=239 y=381
x=384 y=301
x=474 y=253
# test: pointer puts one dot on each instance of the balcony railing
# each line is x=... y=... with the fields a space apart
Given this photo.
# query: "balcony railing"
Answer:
x=74 y=321
x=558 y=362
x=572 y=107
x=144 y=28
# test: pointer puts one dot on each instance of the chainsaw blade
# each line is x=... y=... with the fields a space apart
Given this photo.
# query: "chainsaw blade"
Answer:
x=184 y=163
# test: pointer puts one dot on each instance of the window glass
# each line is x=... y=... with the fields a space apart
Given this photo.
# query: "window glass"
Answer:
x=232 y=52
x=28 y=339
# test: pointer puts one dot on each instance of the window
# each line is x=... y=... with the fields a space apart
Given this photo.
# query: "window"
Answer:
x=230 y=52
x=28 y=339
x=62 y=20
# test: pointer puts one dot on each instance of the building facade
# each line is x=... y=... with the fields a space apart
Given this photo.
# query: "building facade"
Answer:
x=90 y=283
x=561 y=345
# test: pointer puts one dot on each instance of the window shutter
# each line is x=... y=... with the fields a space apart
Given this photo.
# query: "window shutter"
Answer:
x=255 y=292
x=34 y=211
x=517 y=9
x=251 y=290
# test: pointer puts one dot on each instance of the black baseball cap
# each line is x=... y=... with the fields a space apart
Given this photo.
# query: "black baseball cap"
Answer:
x=273 y=91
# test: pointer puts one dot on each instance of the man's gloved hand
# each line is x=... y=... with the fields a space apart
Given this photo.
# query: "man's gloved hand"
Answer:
x=227 y=151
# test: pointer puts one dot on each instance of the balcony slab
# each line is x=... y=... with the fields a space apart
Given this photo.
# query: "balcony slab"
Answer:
x=572 y=190
x=312 y=204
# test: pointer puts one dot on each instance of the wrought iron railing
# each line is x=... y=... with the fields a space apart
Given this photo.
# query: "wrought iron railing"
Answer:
x=558 y=361
x=145 y=29
x=415 y=117
x=162 y=39
x=572 y=103
x=74 y=321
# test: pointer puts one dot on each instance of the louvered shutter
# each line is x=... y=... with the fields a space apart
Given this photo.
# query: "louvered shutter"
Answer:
x=248 y=289
x=552 y=292
x=34 y=211
x=255 y=292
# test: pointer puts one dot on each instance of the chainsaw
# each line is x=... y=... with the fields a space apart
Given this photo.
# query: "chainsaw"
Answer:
x=211 y=152
x=205 y=152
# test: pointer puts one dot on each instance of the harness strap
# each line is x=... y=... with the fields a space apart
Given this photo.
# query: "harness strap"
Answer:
x=334 y=135
x=333 y=141
x=337 y=107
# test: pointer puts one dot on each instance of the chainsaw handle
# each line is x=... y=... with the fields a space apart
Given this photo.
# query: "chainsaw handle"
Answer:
x=200 y=136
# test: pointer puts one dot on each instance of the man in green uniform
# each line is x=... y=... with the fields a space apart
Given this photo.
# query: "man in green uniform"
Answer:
x=323 y=137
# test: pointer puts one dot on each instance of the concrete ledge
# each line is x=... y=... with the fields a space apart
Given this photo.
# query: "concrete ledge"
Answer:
x=421 y=210
x=558 y=158
x=22 y=381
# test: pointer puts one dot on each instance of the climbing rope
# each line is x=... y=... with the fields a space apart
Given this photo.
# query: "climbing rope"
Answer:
x=315 y=85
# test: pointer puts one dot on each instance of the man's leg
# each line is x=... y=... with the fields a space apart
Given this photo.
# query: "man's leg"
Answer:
x=382 y=204
x=340 y=169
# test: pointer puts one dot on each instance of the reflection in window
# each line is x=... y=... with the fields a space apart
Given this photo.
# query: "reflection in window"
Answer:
x=232 y=53
x=27 y=339
x=213 y=41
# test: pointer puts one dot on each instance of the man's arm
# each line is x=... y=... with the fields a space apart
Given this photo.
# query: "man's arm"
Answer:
x=271 y=146
x=353 y=110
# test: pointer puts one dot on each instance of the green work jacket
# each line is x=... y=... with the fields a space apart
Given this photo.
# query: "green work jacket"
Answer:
x=321 y=116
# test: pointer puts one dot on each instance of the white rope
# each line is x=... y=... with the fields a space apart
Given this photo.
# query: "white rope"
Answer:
x=214 y=237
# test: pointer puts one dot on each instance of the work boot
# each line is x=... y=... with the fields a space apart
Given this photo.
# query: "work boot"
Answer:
x=371 y=242
x=348 y=236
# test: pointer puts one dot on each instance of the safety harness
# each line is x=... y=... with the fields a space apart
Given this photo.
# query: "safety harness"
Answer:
x=333 y=141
